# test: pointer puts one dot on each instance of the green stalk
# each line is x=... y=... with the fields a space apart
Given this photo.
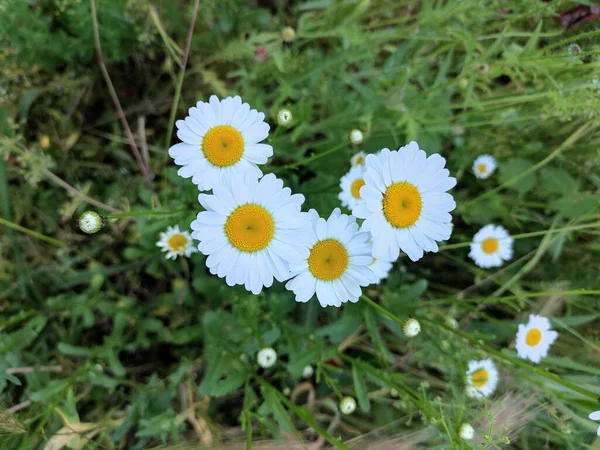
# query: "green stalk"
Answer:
x=145 y=212
x=27 y=231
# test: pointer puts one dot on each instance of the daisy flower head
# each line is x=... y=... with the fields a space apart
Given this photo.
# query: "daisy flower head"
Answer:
x=406 y=206
x=356 y=137
x=284 y=117
x=266 y=357
x=491 y=246
x=220 y=138
x=175 y=242
x=351 y=184
x=251 y=231
x=90 y=222
x=466 y=431
x=482 y=377
x=595 y=416
x=535 y=338
x=358 y=159
x=380 y=268
x=347 y=405
x=484 y=166
x=337 y=264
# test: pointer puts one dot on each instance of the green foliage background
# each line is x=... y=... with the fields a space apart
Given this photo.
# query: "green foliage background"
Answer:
x=129 y=350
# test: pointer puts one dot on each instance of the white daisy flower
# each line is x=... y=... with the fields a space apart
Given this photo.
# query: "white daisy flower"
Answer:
x=266 y=357
x=380 y=268
x=595 y=416
x=251 y=231
x=358 y=159
x=406 y=205
x=466 y=431
x=337 y=264
x=347 y=405
x=351 y=184
x=491 y=246
x=484 y=166
x=220 y=139
x=535 y=338
x=483 y=377
x=356 y=137
x=176 y=243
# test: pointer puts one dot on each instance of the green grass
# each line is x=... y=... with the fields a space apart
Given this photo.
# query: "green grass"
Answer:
x=153 y=352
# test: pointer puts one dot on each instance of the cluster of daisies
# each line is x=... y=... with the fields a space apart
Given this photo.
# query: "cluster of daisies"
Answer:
x=253 y=230
x=532 y=342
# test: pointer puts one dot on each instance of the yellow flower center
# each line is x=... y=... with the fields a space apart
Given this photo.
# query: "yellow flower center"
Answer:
x=481 y=167
x=490 y=245
x=533 y=337
x=177 y=242
x=360 y=161
x=328 y=260
x=402 y=204
x=355 y=187
x=479 y=378
x=250 y=228
x=223 y=145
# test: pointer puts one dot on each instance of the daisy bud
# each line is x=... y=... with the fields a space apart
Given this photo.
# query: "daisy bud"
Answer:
x=90 y=222
x=471 y=392
x=286 y=391
x=266 y=357
x=411 y=327
x=288 y=34
x=347 y=405
x=284 y=117
x=356 y=137
x=452 y=323
x=466 y=431
x=307 y=372
x=394 y=393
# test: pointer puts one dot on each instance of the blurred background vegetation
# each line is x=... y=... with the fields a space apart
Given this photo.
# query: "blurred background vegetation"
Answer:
x=104 y=338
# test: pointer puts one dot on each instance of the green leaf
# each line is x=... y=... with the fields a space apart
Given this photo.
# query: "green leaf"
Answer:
x=373 y=329
x=10 y=377
x=228 y=384
x=361 y=389
x=557 y=181
x=26 y=101
x=515 y=167
x=576 y=206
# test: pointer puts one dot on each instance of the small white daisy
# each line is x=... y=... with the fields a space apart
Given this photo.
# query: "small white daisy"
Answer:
x=356 y=137
x=251 y=231
x=220 y=139
x=266 y=357
x=406 y=206
x=380 y=268
x=595 y=416
x=351 y=184
x=358 y=159
x=483 y=377
x=491 y=246
x=337 y=264
x=484 y=166
x=347 y=405
x=176 y=243
x=535 y=338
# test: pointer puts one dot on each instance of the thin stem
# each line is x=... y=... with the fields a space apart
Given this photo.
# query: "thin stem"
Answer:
x=78 y=194
x=313 y=157
x=531 y=234
x=184 y=61
x=145 y=212
x=115 y=98
x=31 y=233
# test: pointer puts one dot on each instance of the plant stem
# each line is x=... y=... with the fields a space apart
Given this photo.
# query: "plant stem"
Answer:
x=31 y=233
x=313 y=157
x=145 y=212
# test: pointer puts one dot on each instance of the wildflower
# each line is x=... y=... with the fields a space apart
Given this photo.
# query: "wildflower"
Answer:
x=356 y=137
x=483 y=376
x=261 y=54
x=380 y=268
x=307 y=372
x=284 y=117
x=351 y=184
x=176 y=243
x=406 y=205
x=251 y=231
x=471 y=392
x=266 y=357
x=45 y=142
x=337 y=264
x=90 y=222
x=491 y=246
x=411 y=328
x=484 y=166
x=535 y=338
x=452 y=323
x=288 y=34
x=595 y=416
x=220 y=139
x=358 y=159
x=347 y=405
x=466 y=431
